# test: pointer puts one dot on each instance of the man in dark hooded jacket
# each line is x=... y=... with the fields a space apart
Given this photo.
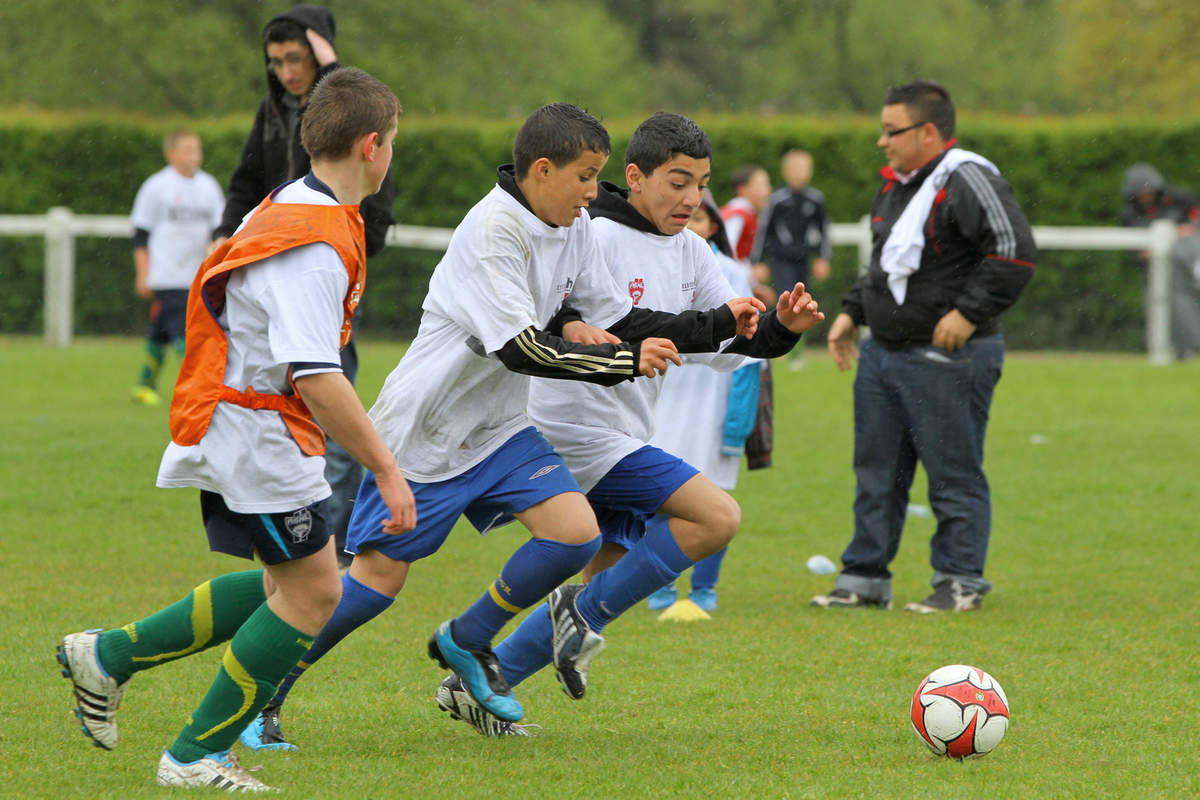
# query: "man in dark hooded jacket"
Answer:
x=298 y=49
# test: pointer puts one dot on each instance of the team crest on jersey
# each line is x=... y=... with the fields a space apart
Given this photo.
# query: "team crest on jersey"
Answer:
x=637 y=288
x=544 y=471
x=299 y=524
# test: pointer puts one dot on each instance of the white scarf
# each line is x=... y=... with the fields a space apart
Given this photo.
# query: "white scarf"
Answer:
x=901 y=255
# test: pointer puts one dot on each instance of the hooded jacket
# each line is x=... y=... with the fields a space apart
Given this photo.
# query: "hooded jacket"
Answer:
x=1169 y=202
x=272 y=156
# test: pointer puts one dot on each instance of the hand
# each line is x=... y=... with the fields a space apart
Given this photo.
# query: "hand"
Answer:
x=398 y=498
x=655 y=353
x=797 y=310
x=323 y=51
x=820 y=268
x=580 y=332
x=139 y=286
x=745 y=311
x=952 y=331
x=840 y=341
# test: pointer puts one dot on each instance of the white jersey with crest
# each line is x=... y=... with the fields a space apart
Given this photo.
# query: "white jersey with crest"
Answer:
x=594 y=427
x=180 y=213
x=450 y=402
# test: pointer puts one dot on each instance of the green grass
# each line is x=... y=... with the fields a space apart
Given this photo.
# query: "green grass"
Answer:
x=1092 y=627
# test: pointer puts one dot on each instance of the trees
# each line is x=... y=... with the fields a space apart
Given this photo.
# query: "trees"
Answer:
x=500 y=58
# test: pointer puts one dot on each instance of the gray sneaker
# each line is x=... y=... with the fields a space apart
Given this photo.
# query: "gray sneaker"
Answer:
x=97 y=694
x=575 y=643
x=844 y=598
x=947 y=596
x=455 y=700
x=217 y=770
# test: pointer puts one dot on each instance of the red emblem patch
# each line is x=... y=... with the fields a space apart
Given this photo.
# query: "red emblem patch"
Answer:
x=637 y=287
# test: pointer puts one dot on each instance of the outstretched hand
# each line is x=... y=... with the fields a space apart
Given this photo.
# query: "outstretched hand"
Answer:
x=797 y=309
x=745 y=311
x=654 y=356
x=580 y=332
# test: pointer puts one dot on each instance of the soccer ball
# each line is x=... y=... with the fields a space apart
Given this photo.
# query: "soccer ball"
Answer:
x=960 y=711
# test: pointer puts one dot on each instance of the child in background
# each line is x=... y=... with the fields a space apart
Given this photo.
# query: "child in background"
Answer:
x=174 y=215
x=704 y=417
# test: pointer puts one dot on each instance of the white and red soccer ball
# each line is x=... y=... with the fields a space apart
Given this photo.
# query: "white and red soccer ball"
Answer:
x=960 y=711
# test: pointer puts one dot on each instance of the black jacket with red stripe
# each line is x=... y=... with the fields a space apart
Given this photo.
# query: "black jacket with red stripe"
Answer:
x=979 y=254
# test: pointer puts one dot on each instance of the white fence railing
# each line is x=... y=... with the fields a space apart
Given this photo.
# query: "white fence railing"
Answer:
x=60 y=228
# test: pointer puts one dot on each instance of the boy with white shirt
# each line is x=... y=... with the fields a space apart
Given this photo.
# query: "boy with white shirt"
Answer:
x=602 y=435
x=267 y=312
x=453 y=410
x=174 y=213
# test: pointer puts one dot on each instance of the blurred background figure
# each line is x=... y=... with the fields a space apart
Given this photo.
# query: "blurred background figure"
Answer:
x=705 y=417
x=793 y=232
x=173 y=217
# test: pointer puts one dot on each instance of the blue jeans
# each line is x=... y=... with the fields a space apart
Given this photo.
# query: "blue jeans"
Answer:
x=921 y=403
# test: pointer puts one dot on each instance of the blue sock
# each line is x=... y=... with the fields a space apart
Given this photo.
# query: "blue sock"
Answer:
x=653 y=562
x=529 y=648
x=707 y=570
x=359 y=605
x=531 y=573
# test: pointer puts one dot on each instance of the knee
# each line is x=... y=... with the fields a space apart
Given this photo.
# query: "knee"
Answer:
x=723 y=521
x=323 y=599
x=580 y=531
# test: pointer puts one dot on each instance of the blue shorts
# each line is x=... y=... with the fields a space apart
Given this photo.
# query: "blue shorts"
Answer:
x=523 y=472
x=276 y=538
x=634 y=490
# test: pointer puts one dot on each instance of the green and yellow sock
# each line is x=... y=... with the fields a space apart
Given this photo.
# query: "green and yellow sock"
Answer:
x=261 y=653
x=155 y=355
x=209 y=615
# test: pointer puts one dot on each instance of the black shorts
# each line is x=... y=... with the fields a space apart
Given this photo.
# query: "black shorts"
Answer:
x=168 y=315
x=277 y=538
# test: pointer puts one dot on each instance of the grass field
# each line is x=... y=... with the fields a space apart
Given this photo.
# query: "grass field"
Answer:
x=1092 y=628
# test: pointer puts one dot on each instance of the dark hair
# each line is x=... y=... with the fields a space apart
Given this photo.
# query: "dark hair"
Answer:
x=660 y=138
x=743 y=174
x=345 y=105
x=559 y=132
x=282 y=29
x=927 y=101
x=719 y=236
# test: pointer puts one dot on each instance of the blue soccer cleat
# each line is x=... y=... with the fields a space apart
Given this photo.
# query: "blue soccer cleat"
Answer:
x=265 y=732
x=705 y=598
x=480 y=673
x=662 y=598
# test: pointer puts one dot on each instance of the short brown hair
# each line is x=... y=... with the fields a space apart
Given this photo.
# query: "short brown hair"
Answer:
x=346 y=105
x=176 y=136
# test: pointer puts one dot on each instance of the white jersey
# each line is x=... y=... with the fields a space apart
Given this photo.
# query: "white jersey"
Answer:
x=594 y=427
x=447 y=405
x=180 y=213
x=690 y=420
x=282 y=310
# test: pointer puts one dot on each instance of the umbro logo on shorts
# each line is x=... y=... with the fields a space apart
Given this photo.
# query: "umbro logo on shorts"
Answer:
x=544 y=471
x=299 y=524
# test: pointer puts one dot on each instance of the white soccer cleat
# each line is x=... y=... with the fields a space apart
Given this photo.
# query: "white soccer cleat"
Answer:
x=97 y=694
x=218 y=770
x=454 y=699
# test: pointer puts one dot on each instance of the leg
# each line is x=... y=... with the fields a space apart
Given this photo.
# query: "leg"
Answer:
x=949 y=404
x=885 y=465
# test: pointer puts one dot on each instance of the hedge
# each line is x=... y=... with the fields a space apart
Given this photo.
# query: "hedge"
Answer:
x=1064 y=172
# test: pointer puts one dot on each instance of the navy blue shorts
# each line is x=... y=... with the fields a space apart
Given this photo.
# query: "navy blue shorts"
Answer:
x=521 y=473
x=634 y=490
x=277 y=538
x=168 y=315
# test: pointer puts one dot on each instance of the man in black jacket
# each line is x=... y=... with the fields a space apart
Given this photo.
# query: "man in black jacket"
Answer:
x=952 y=251
x=298 y=49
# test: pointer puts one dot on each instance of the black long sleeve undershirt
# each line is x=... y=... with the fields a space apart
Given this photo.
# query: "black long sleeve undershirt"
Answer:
x=690 y=331
x=545 y=355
